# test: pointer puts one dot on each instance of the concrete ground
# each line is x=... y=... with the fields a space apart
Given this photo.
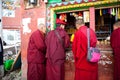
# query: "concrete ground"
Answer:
x=14 y=75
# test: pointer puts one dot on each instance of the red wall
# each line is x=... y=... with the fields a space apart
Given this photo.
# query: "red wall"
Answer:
x=34 y=14
x=16 y=23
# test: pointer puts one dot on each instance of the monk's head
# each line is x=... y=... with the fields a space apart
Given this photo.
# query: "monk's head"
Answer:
x=60 y=23
x=116 y=25
x=79 y=23
x=42 y=27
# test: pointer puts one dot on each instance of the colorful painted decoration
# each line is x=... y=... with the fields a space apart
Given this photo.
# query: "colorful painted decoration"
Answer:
x=77 y=16
x=80 y=14
x=71 y=5
x=85 y=0
x=79 y=1
x=9 y=7
x=63 y=17
x=54 y=1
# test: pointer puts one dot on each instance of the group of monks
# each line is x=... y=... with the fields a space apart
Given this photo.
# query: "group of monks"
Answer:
x=46 y=54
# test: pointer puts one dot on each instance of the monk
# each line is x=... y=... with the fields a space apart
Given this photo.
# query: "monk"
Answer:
x=84 y=70
x=115 y=44
x=56 y=42
x=36 y=54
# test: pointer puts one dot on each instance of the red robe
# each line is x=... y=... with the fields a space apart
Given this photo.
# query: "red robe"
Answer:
x=56 y=54
x=36 y=56
x=115 y=44
x=84 y=69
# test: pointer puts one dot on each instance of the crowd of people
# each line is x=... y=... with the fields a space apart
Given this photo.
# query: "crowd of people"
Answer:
x=46 y=53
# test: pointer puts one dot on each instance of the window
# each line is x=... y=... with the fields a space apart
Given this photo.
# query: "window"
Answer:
x=103 y=24
x=11 y=36
x=31 y=3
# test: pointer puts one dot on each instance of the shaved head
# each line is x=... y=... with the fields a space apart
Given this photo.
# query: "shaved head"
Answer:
x=116 y=25
x=42 y=27
x=79 y=23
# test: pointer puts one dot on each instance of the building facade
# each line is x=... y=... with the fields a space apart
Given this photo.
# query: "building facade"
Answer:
x=97 y=14
x=33 y=13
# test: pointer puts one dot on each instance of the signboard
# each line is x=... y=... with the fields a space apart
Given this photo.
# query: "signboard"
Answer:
x=86 y=16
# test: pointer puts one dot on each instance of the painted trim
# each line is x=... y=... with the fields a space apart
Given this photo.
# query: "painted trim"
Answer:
x=79 y=7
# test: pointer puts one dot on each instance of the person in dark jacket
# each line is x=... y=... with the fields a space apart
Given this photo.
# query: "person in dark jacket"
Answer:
x=56 y=42
x=36 y=54
x=1 y=52
x=1 y=58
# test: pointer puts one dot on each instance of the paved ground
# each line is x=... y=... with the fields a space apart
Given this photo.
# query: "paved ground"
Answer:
x=14 y=75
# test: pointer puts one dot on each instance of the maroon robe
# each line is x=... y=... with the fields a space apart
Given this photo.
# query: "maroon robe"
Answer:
x=84 y=70
x=115 y=44
x=56 y=54
x=36 y=56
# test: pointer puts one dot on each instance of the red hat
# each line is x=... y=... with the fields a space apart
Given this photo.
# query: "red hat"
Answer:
x=59 y=21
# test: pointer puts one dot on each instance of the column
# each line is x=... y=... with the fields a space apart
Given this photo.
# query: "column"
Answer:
x=92 y=17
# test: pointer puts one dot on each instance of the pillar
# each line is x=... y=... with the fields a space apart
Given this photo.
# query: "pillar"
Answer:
x=92 y=17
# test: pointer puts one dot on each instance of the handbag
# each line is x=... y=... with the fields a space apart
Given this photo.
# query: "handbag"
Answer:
x=93 y=54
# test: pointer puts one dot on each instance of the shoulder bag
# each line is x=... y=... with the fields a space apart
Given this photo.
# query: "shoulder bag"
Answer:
x=93 y=54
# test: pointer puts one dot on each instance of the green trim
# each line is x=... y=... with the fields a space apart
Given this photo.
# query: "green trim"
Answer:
x=54 y=1
x=54 y=20
x=108 y=5
x=72 y=9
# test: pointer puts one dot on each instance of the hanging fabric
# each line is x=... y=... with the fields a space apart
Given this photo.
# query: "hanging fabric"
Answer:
x=100 y=12
x=116 y=17
x=111 y=11
x=114 y=12
x=118 y=13
x=104 y=12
